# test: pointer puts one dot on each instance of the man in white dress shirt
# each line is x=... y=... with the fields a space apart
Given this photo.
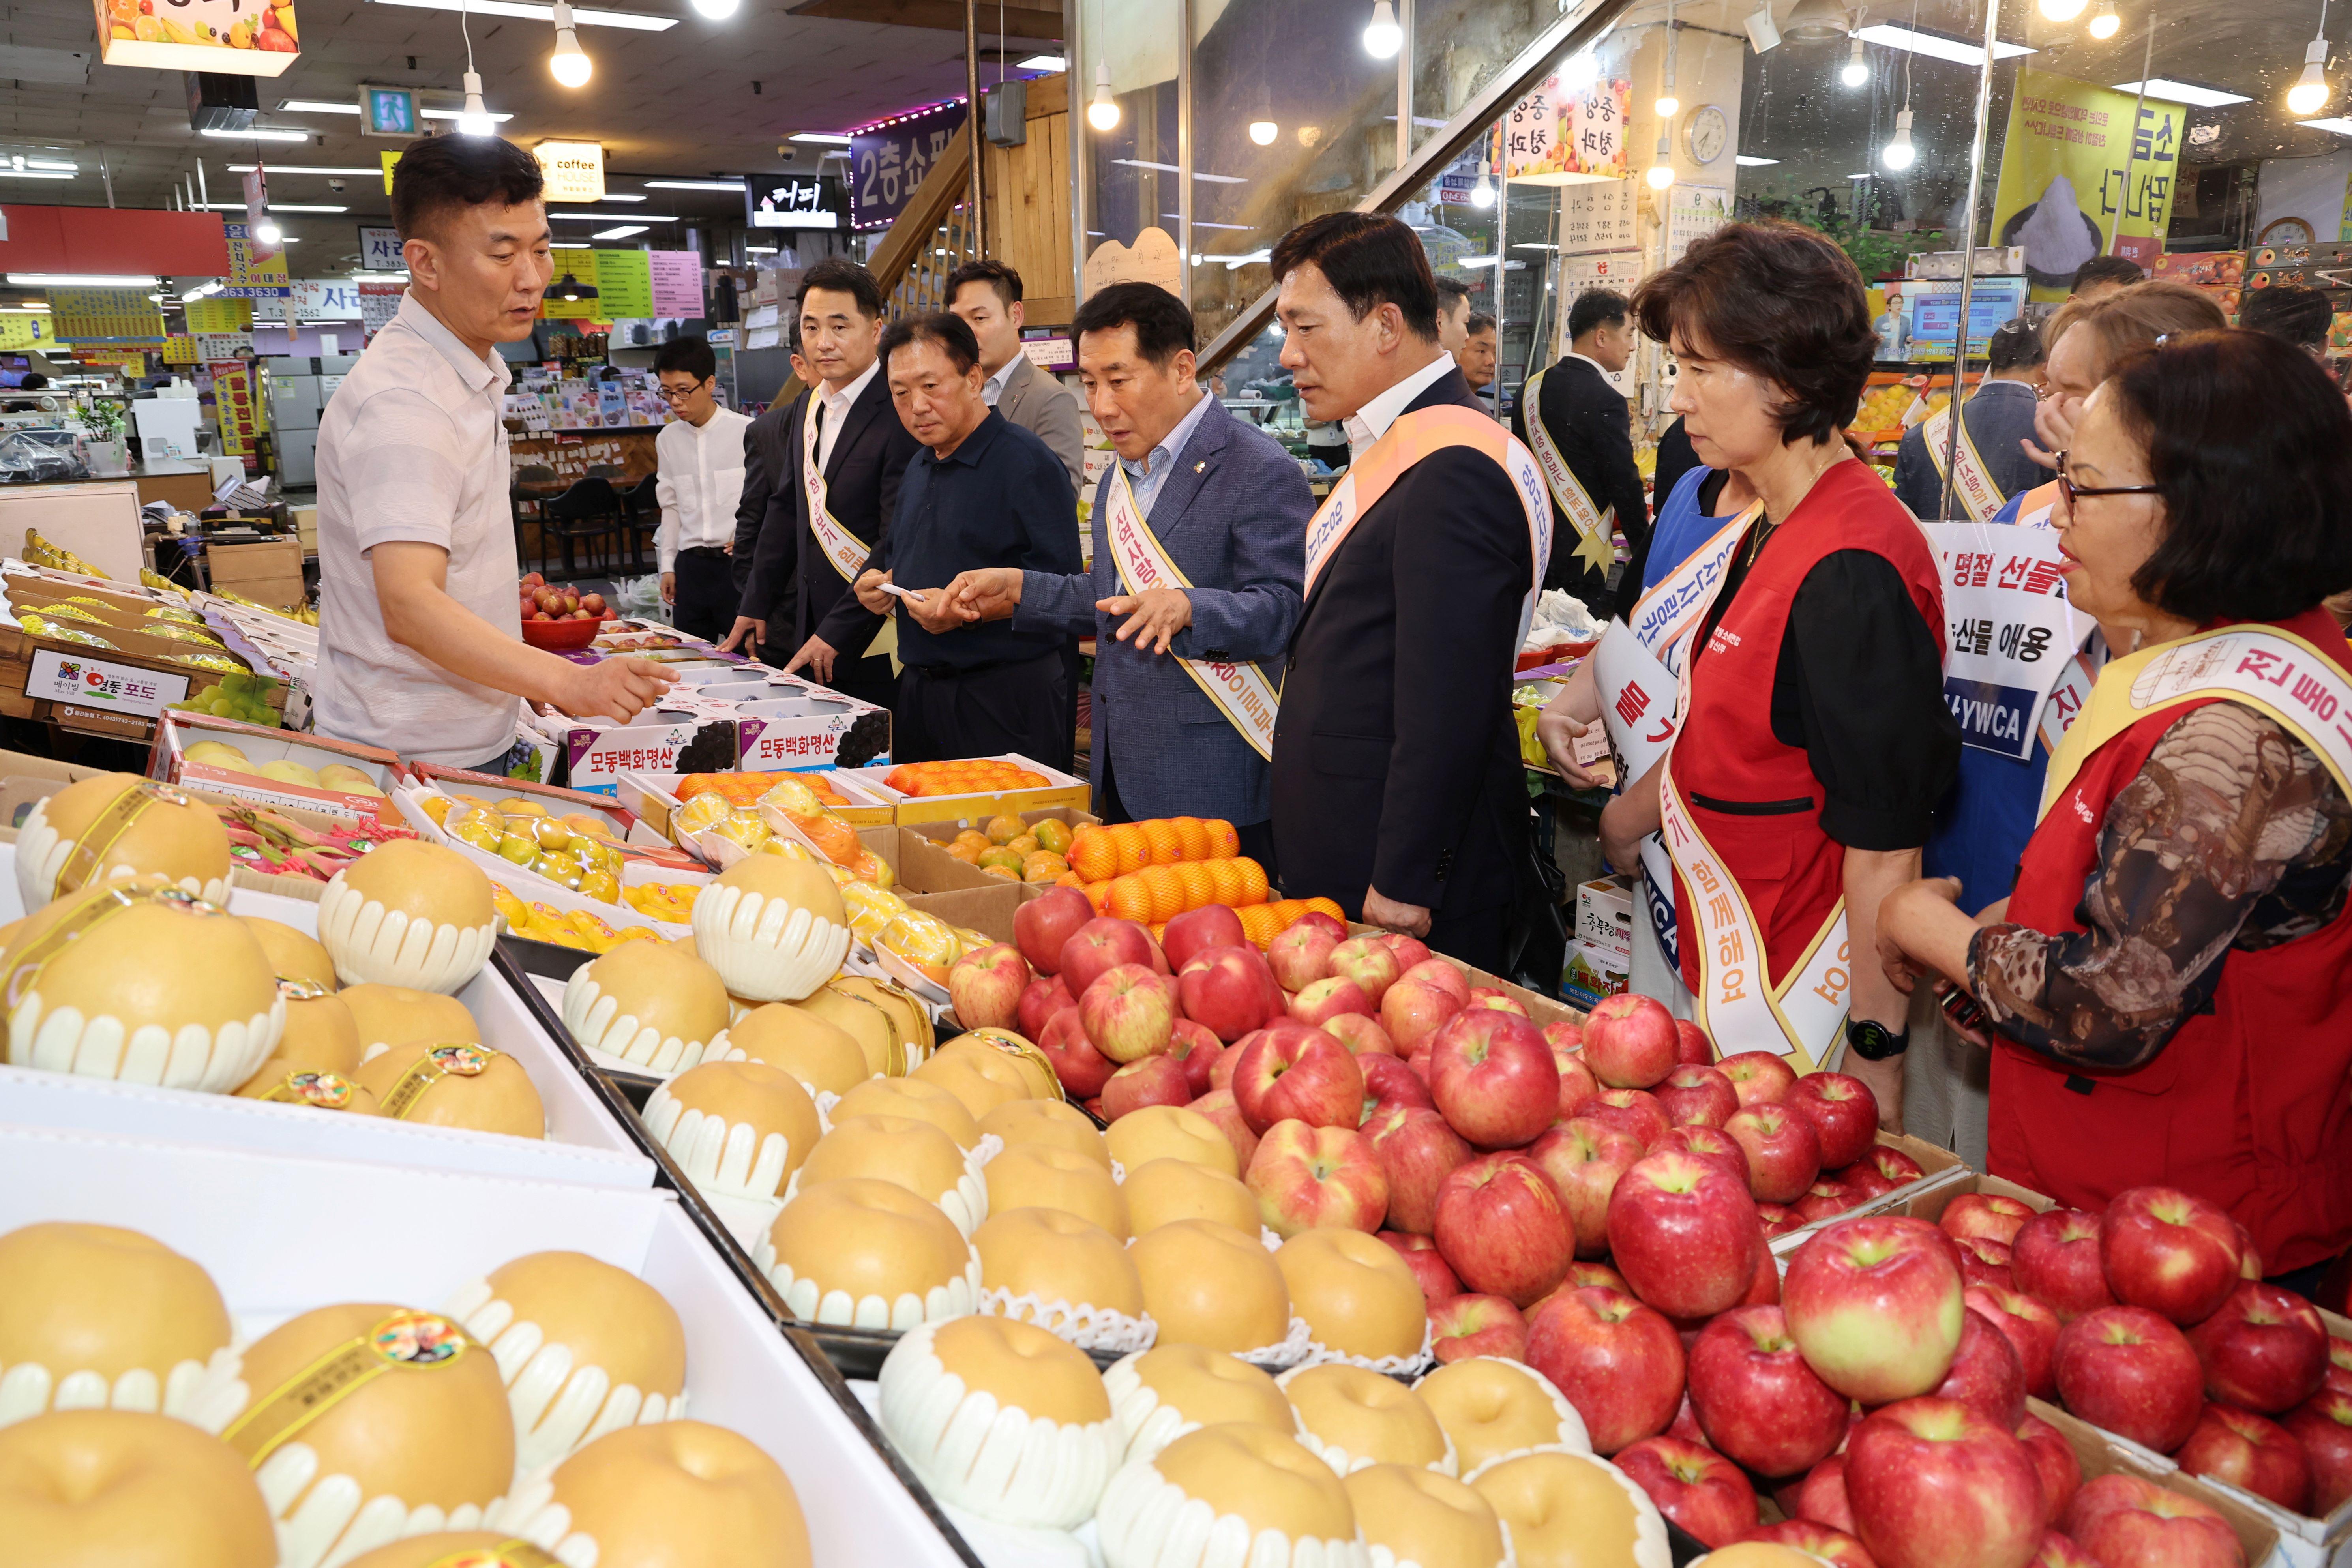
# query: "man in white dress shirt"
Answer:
x=700 y=485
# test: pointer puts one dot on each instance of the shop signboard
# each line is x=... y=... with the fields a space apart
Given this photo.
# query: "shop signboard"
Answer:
x=25 y=332
x=379 y=302
x=1560 y=134
x=238 y=37
x=180 y=348
x=888 y=161
x=222 y=345
x=118 y=317
x=253 y=275
x=314 y=299
x=235 y=408
x=791 y=201
x=2078 y=172
x=218 y=314
x=379 y=250
x=677 y=282
x=574 y=171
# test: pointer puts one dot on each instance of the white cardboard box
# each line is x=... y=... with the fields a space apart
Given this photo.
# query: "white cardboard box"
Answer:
x=1604 y=914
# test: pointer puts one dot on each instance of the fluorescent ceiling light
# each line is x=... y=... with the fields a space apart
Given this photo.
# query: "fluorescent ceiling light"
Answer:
x=2342 y=127
x=258 y=133
x=452 y=113
x=361 y=275
x=316 y=106
x=820 y=138
x=735 y=185
x=49 y=164
x=608 y=217
x=276 y=169
x=2187 y=92
x=1475 y=261
x=1533 y=245
x=617 y=196
x=33 y=175
x=1745 y=161
x=201 y=289
x=274 y=206
x=622 y=232
x=759 y=250
x=1204 y=222
x=1234 y=263
x=1042 y=63
x=580 y=15
x=1936 y=46
x=1172 y=169
x=82 y=281
x=1865 y=175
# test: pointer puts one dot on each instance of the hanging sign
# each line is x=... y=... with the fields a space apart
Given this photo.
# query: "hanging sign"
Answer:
x=677 y=282
x=180 y=348
x=888 y=161
x=379 y=303
x=1560 y=135
x=2077 y=172
x=119 y=317
x=252 y=276
x=388 y=112
x=379 y=250
x=235 y=408
x=224 y=345
x=574 y=171
x=239 y=37
x=216 y=314
x=791 y=201
x=624 y=286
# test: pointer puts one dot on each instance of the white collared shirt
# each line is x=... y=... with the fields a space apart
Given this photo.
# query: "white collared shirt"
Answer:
x=1143 y=479
x=700 y=481
x=1604 y=369
x=993 y=387
x=836 y=408
x=1369 y=423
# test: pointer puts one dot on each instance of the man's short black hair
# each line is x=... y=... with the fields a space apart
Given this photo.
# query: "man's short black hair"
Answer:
x=691 y=355
x=1596 y=308
x=1479 y=321
x=1451 y=292
x=951 y=332
x=2016 y=345
x=442 y=172
x=2302 y=316
x=33 y=381
x=843 y=275
x=1163 y=325
x=1369 y=260
x=2109 y=270
x=995 y=274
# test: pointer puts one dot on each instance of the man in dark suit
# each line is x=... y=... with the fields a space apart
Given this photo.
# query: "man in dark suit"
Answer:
x=1397 y=785
x=1589 y=464
x=1997 y=416
x=845 y=423
x=770 y=464
x=1226 y=508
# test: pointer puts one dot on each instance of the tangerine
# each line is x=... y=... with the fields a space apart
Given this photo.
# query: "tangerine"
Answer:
x=1167 y=891
x=1167 y=844
x=1134 y=849
x=1131 y=899
x=1258 y=923
x=1093 y=853
x=1224 y=842
x=1200 y=885
x=1253 y=888
x=1193 y=835
x=1227 y=879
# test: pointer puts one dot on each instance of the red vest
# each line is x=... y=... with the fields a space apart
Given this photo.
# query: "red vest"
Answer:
x=2247 y=1106
x=1754 y=798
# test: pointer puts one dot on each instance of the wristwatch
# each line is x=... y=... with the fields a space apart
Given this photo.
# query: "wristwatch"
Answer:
x=1874 y=1042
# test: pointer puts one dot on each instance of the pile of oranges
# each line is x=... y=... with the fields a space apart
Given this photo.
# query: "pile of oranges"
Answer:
x=1098 y=853
x=745 y=789
x=969 y=775
x=1161 y=893
x=1263 y=923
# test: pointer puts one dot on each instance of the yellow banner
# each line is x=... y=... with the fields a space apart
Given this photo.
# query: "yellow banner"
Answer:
x=2076 y=174
x=25 y=332
x=218 y=315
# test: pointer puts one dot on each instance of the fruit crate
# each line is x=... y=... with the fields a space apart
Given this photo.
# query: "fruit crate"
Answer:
x=1945 y=1178
x=177 y=733
x=2101 y=1453
x=972 y=810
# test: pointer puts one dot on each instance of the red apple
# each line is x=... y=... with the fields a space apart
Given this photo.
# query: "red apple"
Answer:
x=1784 y=1152
x=1685 y=1425
x=2250 y=1260
x=1156 y=1080
x=1696 y=1488
x=1159 y=965
x=1834 y=1547
x=2126 y=1521
x=1630 y=1041
x=2128 y=1369
x=1764 y=1290
x=1988 y=1375
x=1584 y=1274
x=1874 y=1303
x=2252 y=1453
x=1564 y=1035
x=1362 y=1034
x=1044 y=926
x=1040 y=1000
x=1697 y=1097
x=1933 y=1484
x=1307 y=1178
x=1129 y=1013
x=1412 y=1011
x=1218 y=1106
x=1821 y=1498
x=1082 y=1068
x=1196 y=930
x=2265 y=1350
x=1299 y=955
x=1497 y=997
x=2056 y=1256
x=1289 y=1071
x=2338 y=1375
x=1755 y=1397
x=2031 y=1327
x=2323 y=1425
x=1585 y=1158
x=1632 y=1111
x=1692 y=1046
x=1500 y=1226
x=1758 y=1077
x=1708 y=1143
x=2169 y=1252
x=1619 y=1361
x=1576 y=1080
x=1472 y=1325
x=986 y=985
x=1366 y=961
x=1408 y=950
x=1684 y=1235
x=1388 y=1083
x=1864 y=1180
x=1894 y=1165
x=1442 y=974
x=1221 y=1072
x=1420 y=1255
x=1199 y=1050
x=1417 y=1151
x=1843 y=1112
x=1825 y=1199
x=2062 y=1551
x=1778 y=1219
x=1335 y=997
x=1103 y=944
x=1317 y=918
x=2054 y=1458
x=1230 y=989
x=1492 y=1075
x=1984 y=1261
x=1988 y=1214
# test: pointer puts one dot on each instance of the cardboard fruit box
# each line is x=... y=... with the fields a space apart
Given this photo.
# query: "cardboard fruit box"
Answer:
x=971 y=810
x=177 y=733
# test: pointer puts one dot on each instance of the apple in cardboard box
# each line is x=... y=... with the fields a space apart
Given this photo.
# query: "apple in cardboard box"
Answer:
x=1931 y=1481
x=1692 y=1046
x=1684 y=1235
x=2170 y=1252
x=1218 y=1106
x=1696 y=1488
x=2323 y=1425
x=2123 y=1519
x=2129 y=1369
x=1618 y=1360
x=1082 y=1068
x=1299 y=955
x=1756 y=1398
x=1307 y=1178
x=1420 y=1254
x=1696 y=1097
x=2252 y=1453
x=1585 y=1160
x=1040 y=1000
x=1366 y=961
x=2055 y=1256
x=1362 y=1034
x=1875 y=1304
x=1196 y=930
x=986 y=985
x=1834 y=1547
x=1334 y=996
x=1044 y=926
x=1417 y=1151
x=2031 y=1327
x=1128 y=1012
x=1492 y=1075
x=1843 y=1112
x=1289 y=1071
x=1708 y=1143
x=1502 y=1230
x=1630 y=1041
x=2060 y=1468
x=1414 y=1010
x=1757 y=1076
x=1156 y=1079
x=1230 y=989
x=1103 y=944
x=1987 y=1375
x=1635 y=1112
x=1992 y=1216
x=1390 y=1083
x=1784 y=1152
x=1472 y=1325
x=2265 y=1350
x=1821 y=1496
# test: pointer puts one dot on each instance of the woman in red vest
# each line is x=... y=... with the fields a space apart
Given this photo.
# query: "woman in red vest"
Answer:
x=2168 y=989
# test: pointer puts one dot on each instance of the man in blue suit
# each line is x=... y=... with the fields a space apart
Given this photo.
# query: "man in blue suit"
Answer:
x=1198 y=554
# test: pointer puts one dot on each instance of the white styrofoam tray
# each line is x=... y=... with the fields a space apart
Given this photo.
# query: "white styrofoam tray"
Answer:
x=583 y=1141
x=275 y=1232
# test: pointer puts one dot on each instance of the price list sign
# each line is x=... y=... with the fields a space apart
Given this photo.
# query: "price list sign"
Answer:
x=1597 y=217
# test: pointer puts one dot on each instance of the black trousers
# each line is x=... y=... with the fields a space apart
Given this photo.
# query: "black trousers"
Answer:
x=867 y=680
x=706 y=596
x=945 y=712
x=1256 y=838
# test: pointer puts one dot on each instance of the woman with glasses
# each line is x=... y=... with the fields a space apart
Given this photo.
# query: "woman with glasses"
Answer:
x=2168 y=992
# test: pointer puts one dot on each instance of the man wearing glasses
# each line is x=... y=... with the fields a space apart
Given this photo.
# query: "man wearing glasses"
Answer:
x=701 y=483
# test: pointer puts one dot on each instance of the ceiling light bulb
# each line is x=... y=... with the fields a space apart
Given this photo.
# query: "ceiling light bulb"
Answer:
x=2061 y=10
x=1899 y=154
x=475 y=120
x=1856 y=71
x=268 y=232
x=1382 y=36
x=1668 y=106
x=1661 y=167
x=2309 y=94
x=1482 y=194
x=1580 y=71
x=1264 y=131
x=1103 y=112
x=2104 y=23
x=716 y=10
x=570 y=63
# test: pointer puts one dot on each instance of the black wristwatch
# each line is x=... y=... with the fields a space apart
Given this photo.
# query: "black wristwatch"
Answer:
x=1874 y=1042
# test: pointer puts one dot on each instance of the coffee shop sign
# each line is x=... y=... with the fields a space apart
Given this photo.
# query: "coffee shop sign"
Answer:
x=574 y=171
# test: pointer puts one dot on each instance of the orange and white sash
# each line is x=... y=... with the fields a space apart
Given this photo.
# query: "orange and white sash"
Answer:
x=2071 y=694
x=1981 y=498
x=1593 y=525
x=1240 y=689
x=1413 y=437
x=843 y=550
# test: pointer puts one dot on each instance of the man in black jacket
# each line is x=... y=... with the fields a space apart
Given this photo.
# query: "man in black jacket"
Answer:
x=847 y=452
x=771 y=461
x=1585 y=444
x=1397 y=785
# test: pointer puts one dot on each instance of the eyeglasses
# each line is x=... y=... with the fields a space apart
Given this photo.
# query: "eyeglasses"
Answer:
x=2074 y=492
x=679 y=395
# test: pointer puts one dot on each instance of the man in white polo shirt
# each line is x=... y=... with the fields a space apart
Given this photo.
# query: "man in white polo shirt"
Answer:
x=420 y=646
x=700 y=457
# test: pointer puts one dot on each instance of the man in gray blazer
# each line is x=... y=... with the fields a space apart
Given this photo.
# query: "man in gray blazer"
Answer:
x=1228 y=508
x=987 y=295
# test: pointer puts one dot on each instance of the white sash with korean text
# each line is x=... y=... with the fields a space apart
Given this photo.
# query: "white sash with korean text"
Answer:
x=2071 y=693
x=1981 y=498
x=1240 y=689
x=2010 y=639
x=843 y=550
x=1593 y=525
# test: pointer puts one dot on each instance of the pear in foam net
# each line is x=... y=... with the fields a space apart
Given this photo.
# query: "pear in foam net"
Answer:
x=773 y=929
x=739 y=1129
x=119 y=826
x=868 y=1254
x=408 y=913
x=96 y=1316
x=647 y=1003
x=120 y=1488
x=674 y=1493
x=1232 y=1496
